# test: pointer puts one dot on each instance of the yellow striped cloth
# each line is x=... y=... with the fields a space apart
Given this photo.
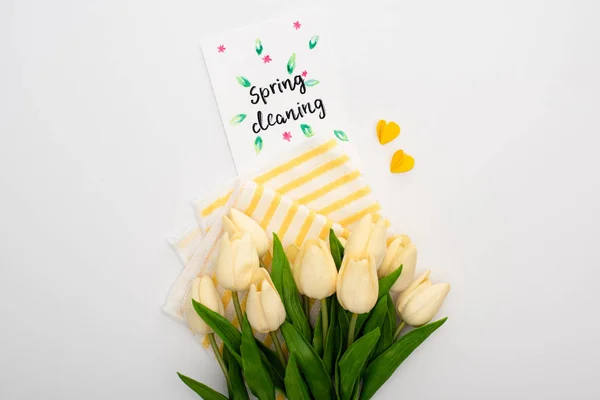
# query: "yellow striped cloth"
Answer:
x=318 y=175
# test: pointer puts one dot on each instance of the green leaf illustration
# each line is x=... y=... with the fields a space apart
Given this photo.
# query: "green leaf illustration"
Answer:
x=291 y=65
x=341 y=135
x=243 y=81
x=258 y=144
x=311 y=82
x=313 y=42
x=258 y=46
x=237 y=119
x=307 y=130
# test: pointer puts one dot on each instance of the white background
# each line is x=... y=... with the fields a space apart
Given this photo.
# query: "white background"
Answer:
x=109 y=128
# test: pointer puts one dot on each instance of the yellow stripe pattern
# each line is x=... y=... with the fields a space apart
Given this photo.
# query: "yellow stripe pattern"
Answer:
x=220 y=202
x=305 y=228
x=271 y=211
x=341 y=203
x=354 y=218
x=285 y=225
x=255 y=199
x=320 y=170
x=317 y=151
x=322 y=191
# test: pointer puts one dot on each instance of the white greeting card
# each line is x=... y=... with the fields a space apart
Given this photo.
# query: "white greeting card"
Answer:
x=276 y=86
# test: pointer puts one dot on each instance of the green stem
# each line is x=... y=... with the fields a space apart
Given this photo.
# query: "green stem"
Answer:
x=325 y=322
x=278 y=347
x=398 y=330
x=306 y=307
x=352 y=328
x=213 y=344
x=238 y=308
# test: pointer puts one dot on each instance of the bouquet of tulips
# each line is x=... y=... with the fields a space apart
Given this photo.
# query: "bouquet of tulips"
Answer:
x=356 y=343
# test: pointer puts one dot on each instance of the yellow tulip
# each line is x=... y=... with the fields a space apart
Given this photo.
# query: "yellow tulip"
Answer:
x=367 y=239
x=419 y=303
x=357 y=284
x=238 y=222
x=401 y=251
x=204 y=292
x=237 y=261
x=264 y=308
x=314 y=270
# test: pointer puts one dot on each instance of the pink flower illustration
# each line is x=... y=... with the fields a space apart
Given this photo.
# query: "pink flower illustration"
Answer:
x=287 y=136
x=267 y=59
x=297 y=25
x=221 y=49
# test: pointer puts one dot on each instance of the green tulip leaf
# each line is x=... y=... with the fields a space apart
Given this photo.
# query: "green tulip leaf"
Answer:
x=336 y=377
x=237 y=390
x=222 y=327
x=237 y=119
x=307 y=130
x=257 y=376
x=312 y=43
x=291 y=65
x=291 y=300
x=330 y=350
x=311 y=83
x=387 y=332
x=344 y=325
x=386 y=283
x=341 y=135
x=271 y=359
x=295 y=386
x=317 y=340
x=391 y=309
x=353 y=362
x=309 y=361
x=337 y=249
x=258 y=144
x=380 y=370
x=292 y=303
x=376 y=316
x=279 y=258
x=258 y=46
x=243 y=81
x=201 y=389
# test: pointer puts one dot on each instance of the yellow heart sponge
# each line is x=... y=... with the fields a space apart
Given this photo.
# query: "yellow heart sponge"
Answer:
x=401 y=162
x=386 y=132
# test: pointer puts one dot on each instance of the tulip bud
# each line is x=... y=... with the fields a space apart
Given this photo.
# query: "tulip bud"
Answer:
x=367 y=239
x=314 y=270
x=400 y=252
x=204 y=292
x=238 y=222
x=419 y=303
x=357 y=284
x=237 y=261
x=264 y=308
